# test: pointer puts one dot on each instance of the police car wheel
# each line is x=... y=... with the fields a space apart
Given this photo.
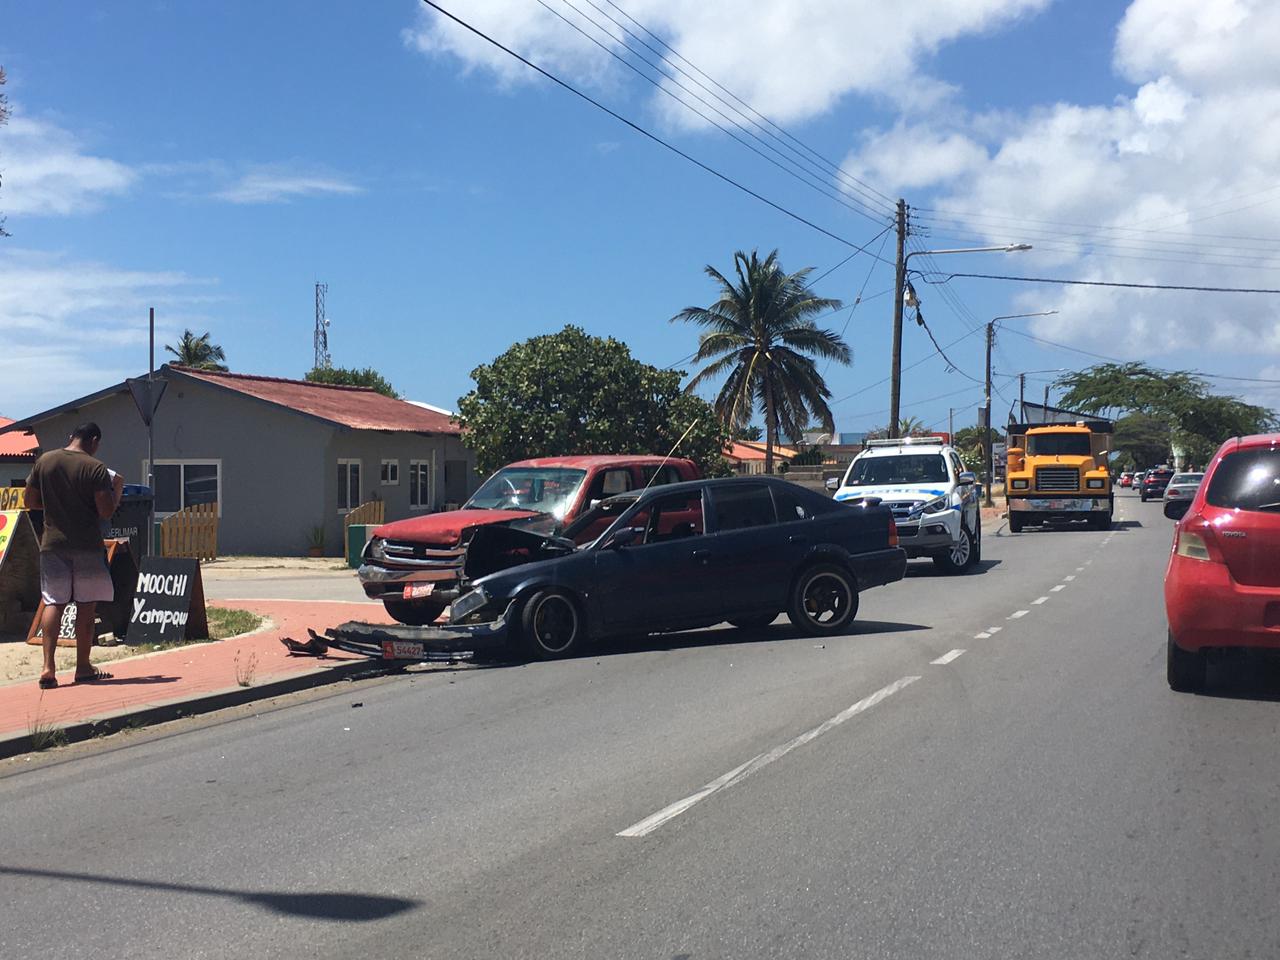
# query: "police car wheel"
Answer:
x=961 y=555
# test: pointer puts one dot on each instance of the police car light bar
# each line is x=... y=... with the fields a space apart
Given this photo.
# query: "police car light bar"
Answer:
x=907 y=442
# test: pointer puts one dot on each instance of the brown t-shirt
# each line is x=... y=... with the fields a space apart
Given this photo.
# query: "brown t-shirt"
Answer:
x=67 y=481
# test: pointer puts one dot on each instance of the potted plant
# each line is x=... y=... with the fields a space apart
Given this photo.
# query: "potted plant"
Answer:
x=317 y=541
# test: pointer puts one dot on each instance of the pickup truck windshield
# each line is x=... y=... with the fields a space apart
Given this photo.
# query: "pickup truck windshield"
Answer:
x=1058 y=445
x=907 y=468
x=549 y=490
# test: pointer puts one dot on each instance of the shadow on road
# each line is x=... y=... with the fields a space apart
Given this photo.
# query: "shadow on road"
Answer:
x=344 y=907
x=917 y=568
x=1244 y=675
x=1127 y=524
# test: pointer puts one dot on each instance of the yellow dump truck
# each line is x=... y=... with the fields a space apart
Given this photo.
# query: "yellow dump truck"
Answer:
x=1057 y=472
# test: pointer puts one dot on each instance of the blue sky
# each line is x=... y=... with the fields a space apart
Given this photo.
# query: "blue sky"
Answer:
x=215 y=160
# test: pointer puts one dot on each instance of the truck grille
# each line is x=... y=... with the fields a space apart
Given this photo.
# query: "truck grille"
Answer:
x=1057 y=479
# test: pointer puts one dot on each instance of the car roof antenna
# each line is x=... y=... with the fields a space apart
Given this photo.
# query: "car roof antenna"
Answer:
x=670 y=454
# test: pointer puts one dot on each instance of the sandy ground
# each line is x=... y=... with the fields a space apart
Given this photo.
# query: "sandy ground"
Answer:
x=258 y=566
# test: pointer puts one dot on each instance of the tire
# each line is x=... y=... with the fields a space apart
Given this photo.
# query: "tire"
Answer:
x=961 y=555
x=824 y=600
x=1186 y=670
x=977 y=545
x=551 y=625
x=1015 y=522
x=1100 y=522
x=758 y=622
x=414 y=613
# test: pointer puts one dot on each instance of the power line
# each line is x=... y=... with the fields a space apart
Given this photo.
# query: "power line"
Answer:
x=910 y=366
x=1104 y=283
x=828 y=272
x=642 y=131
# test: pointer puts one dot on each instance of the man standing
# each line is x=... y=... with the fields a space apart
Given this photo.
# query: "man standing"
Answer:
x=76 y=493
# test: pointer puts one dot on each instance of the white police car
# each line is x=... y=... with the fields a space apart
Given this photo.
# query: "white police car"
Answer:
x=933 y=498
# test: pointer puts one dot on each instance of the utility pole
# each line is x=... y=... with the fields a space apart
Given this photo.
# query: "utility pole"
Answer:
x=1046 y=399
x=951 y=424
x=321 y=337
x=1022 y=395
x=900 y=281
x=986 y=416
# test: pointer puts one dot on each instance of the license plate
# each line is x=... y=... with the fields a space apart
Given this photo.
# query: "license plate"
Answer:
x=416 y=591
x=401 y=650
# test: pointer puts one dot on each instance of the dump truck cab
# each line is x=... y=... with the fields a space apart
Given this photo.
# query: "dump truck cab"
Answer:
x=1057 y=472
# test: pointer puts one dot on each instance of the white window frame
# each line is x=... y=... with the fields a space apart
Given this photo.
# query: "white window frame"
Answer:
x=182 y=462
x=343 y=511
x=395 y=481
x=430 y=467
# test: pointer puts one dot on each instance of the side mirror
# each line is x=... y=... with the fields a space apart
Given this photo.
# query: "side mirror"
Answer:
x=624 y=538
x=968 y=477
x=1176 y=509
x=833 y=484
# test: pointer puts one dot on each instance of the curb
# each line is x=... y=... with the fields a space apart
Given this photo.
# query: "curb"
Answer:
x=17 y=744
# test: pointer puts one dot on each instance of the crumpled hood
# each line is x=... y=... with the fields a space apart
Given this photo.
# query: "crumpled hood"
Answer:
x=895 y=491
x=446 y=529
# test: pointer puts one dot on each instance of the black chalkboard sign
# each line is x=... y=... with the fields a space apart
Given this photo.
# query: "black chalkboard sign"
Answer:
x=168 y=603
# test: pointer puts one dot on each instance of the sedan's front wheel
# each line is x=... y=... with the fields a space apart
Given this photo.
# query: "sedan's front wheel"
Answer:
x=824 y=599
x=551 y=625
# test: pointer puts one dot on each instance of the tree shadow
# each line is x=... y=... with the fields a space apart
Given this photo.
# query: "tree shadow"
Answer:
x=341 y=907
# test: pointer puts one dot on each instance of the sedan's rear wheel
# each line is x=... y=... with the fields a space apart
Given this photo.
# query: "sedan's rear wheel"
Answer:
x=419 y=613
x=1186 y=669
x=551 y=625
x=824 y=599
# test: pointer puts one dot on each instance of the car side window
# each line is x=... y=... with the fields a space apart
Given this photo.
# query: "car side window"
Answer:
x=956 y=465
x=789 y=505
x=741 y=506
x=675 y=517
x=664 y=475
x=609 y=483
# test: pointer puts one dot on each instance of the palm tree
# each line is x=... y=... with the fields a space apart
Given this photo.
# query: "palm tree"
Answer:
x=198 y=352
x=761 y=333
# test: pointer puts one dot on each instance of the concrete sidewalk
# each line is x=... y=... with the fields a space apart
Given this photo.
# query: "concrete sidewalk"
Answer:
x=185 y=681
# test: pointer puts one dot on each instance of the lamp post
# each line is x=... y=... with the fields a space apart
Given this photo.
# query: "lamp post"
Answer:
x=895 y=391
x=986 y=442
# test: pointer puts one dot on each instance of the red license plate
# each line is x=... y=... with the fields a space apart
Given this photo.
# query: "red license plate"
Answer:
x=417 y=591
x=401 y=650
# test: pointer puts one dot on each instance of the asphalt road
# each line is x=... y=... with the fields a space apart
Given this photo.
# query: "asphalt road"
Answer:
x=1042 y=794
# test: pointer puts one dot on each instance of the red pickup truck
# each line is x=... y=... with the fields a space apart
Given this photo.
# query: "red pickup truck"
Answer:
x=416 y=567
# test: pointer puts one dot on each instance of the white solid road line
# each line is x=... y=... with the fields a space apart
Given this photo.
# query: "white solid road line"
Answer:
x=1061 y=586
x=946 y=658
x=1018 y=613
x=1040 y=600
x=739 y=773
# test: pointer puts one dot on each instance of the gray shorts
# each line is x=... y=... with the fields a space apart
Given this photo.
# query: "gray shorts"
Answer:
x=75 y=575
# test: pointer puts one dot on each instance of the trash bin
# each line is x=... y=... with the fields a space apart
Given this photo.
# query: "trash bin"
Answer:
x=130 y=520
x=358 y=535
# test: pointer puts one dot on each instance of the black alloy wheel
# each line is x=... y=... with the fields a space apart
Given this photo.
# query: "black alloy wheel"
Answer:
x=824 y=599
x=551 y=625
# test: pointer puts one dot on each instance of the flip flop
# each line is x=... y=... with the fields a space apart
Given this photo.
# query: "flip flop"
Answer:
x=48 y=683
x=96 y=674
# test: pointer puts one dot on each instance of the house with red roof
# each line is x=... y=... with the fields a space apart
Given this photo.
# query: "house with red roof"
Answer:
x=18 y=451
x=280 y=457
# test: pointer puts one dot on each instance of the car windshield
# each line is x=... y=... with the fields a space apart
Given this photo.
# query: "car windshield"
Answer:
x=1058 y=445
x=904 y=468
x=1187 y=478
x=549 y=490
x=1247 y=480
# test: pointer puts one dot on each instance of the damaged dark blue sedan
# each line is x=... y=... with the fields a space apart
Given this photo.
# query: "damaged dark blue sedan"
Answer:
x=680 y=557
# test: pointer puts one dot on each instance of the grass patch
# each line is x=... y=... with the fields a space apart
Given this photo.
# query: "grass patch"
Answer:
x=45 y=735
x=225 y=622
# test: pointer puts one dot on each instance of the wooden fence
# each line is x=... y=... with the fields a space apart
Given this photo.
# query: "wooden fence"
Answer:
x=374 y=511
x=191 y=533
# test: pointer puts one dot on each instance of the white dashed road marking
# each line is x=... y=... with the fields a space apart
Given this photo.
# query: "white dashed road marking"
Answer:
x=946 y=658
x=1072 y=576
x=994 y=629
x=739 y=773
x=1055 y=589
x=1040 y=600
x=1018 y=613
x=977 y=636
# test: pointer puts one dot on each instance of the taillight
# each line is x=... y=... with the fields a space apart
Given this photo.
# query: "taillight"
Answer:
x=893 y=533
x=1197 y=544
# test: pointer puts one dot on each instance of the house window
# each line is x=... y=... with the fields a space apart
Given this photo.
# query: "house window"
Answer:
x=390 y=473
x=184 y=483
x=348 y=484
x=419 y=484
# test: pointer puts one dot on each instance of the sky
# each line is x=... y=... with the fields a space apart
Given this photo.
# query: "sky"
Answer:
x=215 y=161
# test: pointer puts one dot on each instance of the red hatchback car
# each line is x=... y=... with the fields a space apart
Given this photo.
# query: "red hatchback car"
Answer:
x=1222 y=588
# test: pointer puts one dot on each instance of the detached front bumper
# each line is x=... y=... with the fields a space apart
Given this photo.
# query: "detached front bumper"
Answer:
x=403 y=643
x=1060 y=505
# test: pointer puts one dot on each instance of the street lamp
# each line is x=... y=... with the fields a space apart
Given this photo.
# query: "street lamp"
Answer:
x=895 y=391
x=991 y=339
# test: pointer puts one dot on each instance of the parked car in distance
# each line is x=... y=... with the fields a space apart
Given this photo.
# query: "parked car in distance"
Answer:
x=1182 y=486
x=1126 y=479
x=686 y=556
x=1154 y=482
x=1222 y=586
x=414 y=566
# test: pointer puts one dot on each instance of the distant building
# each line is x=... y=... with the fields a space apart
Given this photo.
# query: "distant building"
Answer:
x=747 y=456
x=279 y=457
x=18 y=451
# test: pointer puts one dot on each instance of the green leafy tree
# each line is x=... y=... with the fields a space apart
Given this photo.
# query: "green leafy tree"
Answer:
x=751 y=432
x=1143 y=439
x=761 y=336
x=907 y=427
x=968 y=441
x=200 y=352
x=571 y=393
x=351 y=377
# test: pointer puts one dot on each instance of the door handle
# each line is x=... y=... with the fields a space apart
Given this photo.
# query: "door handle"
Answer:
x=702 y=556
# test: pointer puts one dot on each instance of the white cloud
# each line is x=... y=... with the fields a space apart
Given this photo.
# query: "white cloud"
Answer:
x=1177 y=183
x=790 y=59
x=76 y=326
x=46 y=171
x=278 y=184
